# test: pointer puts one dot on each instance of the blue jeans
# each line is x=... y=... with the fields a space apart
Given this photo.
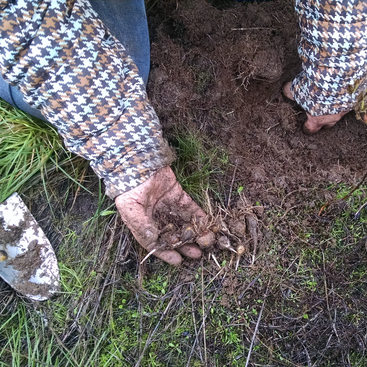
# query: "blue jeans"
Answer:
x=127 y=21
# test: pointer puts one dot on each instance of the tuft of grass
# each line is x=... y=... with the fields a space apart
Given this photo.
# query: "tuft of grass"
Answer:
x=198 y=164
x=112 y=311
x=27 y=145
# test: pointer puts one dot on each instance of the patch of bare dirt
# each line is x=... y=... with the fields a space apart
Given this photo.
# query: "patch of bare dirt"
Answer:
x=219 y=67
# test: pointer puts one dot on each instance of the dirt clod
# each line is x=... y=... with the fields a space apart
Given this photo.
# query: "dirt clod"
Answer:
x=215 y=228
x=252 y=225
x=238 y=228
x=259 y=211
x=241 y=249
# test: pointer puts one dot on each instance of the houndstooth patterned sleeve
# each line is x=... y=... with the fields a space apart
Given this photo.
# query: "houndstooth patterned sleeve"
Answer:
x=67 y=65
x=333 y=50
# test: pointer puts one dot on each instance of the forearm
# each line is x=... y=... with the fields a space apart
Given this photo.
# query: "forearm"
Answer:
x=333 y=50
x=68 y=66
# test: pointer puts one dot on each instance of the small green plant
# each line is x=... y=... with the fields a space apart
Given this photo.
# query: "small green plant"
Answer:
x=197 y=164
x=27 y=145
x=203 y=81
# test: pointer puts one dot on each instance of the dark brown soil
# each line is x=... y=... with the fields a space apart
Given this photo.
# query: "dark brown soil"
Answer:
x=217 y=68
x=220 y=69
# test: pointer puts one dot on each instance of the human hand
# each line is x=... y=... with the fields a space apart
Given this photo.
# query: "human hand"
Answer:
x=157 y=203
x=314 y=123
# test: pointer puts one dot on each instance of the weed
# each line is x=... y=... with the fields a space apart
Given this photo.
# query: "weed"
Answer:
x=113 y=312
x=203 y=81
x=198 y=164
x=29 y=148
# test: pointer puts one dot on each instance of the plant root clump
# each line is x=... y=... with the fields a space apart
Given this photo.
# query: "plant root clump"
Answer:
x=235 y=230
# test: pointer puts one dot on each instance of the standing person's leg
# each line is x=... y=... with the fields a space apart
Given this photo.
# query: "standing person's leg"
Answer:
x=127 y=21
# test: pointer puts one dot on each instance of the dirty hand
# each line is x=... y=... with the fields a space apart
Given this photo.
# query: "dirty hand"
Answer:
x=148 y=208
x=314 y=123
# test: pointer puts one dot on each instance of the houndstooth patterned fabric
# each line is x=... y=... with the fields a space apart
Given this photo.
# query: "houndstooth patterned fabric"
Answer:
x=67 y=65
x=333 y=49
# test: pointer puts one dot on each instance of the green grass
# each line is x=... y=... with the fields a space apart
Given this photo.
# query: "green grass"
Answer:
x=198 y=164
x=47 y=334
x=311 y=274
x=27 y=147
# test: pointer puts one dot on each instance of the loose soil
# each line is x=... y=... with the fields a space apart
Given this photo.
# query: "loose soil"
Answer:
x=218 y=67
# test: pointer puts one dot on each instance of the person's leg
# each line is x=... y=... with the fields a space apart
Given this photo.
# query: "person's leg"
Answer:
x=5 y=91
x=127 y=22
x=314 y=123
x=13 y=96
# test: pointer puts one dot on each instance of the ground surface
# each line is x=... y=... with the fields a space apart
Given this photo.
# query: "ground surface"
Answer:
x=221 y=71
x=218 y=67
x=217 y=71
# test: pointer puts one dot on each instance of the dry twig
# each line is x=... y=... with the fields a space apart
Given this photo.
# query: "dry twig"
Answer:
x=150 y=337
x=256 y=328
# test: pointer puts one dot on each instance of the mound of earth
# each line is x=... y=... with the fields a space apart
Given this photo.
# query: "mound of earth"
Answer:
x=218 y=66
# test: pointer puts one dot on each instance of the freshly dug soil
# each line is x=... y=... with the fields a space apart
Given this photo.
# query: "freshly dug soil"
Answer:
x=218 y=66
